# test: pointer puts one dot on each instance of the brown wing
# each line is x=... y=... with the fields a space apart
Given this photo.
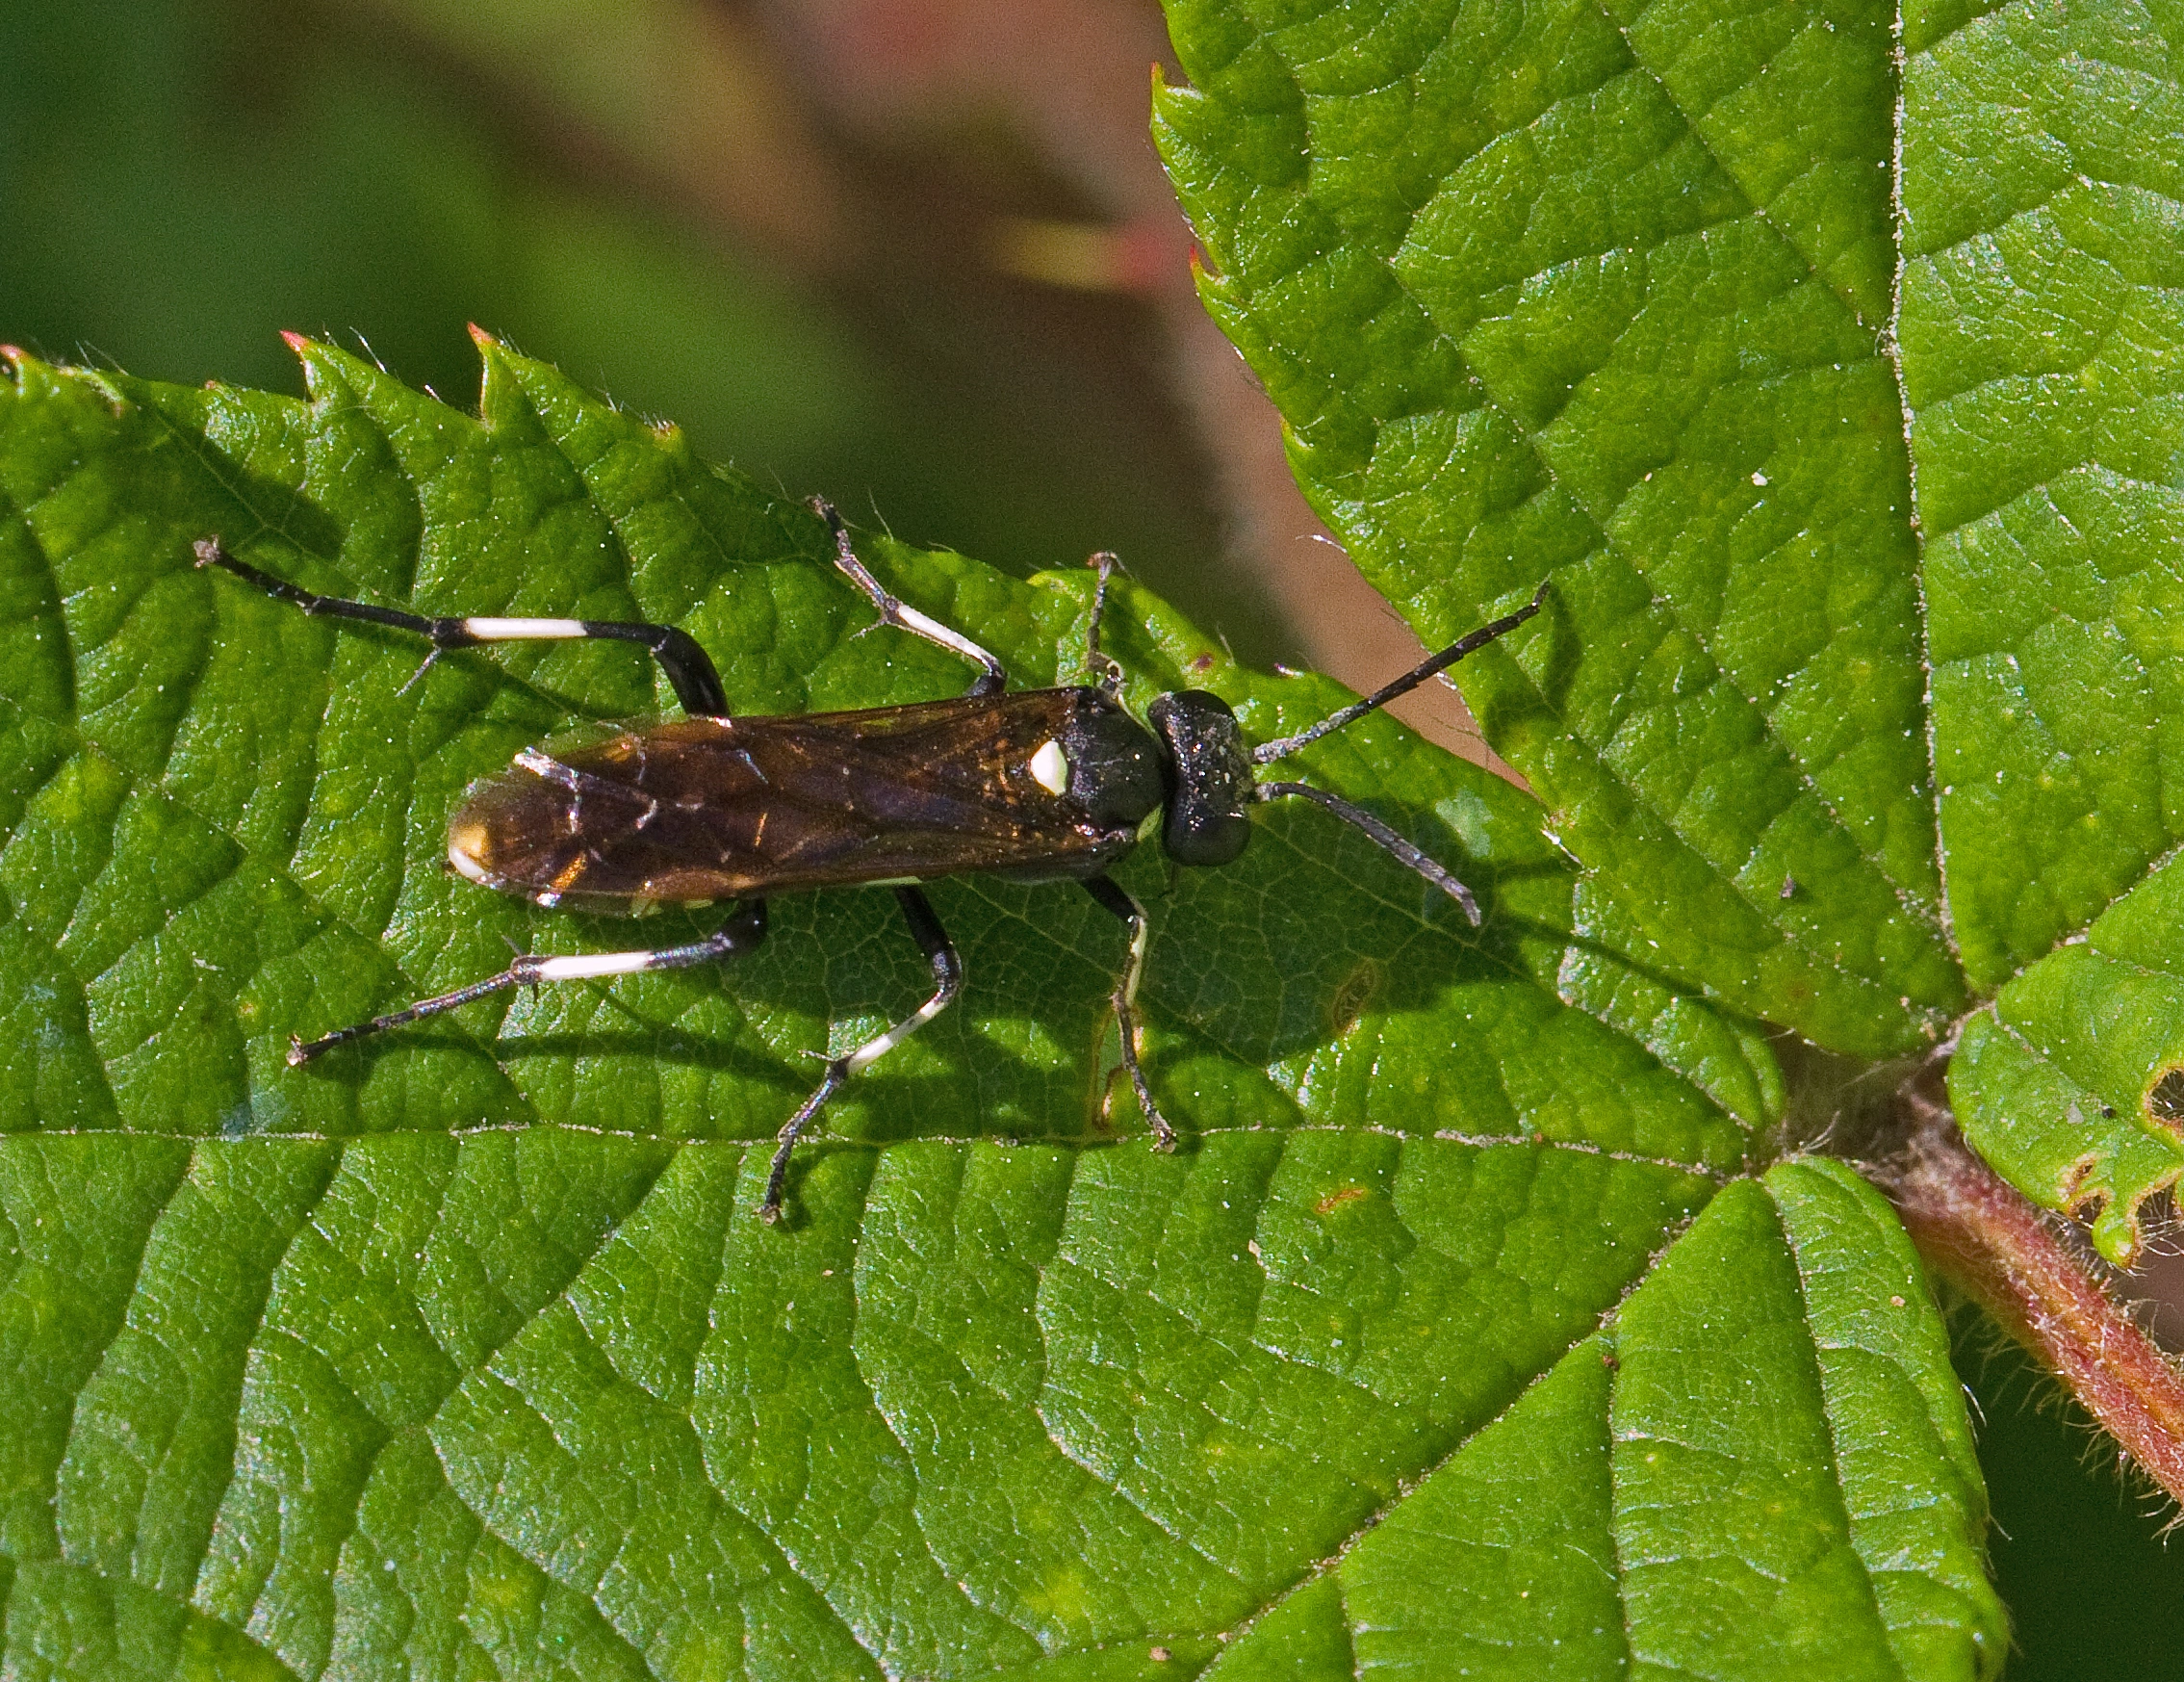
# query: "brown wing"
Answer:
x=709 y=808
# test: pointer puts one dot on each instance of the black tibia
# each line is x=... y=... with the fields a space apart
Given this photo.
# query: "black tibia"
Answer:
x=893 y=610
x=1112 y=897
x=1100 y=670
x=947 y=978
x=744 y=930
x=689 y=667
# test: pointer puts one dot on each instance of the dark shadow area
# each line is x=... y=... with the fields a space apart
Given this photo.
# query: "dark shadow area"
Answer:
x=1265 y=956
x=2071 y=1546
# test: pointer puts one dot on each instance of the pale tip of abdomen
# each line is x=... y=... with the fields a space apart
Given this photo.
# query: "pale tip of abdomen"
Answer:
x=465 y=842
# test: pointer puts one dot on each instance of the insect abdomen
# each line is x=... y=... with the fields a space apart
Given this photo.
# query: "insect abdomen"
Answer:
x=714 y=809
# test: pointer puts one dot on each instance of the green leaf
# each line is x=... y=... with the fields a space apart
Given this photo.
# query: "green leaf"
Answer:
x=467 y=1351
x=293 y=782
x=1865 y=575
x=1852 y=694
x=1712 y=1484
x=1455 y=1337
x=2069 y=1084
x=2040 y=300
x=558 y=1404
x=1528 y=315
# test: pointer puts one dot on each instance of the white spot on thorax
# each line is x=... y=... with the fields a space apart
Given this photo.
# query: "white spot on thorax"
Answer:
x=1050 y=767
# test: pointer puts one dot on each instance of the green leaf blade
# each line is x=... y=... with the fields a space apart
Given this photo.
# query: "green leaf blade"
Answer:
x=1745 y=1470
x=1794 y=103
x=2041 y=345
x=317 y=881
x=1734 y=1540
x=1912 y=1487
x=418 y=1351
x=585 y=1368
x=1520 y=1586
x=1645 y=392
x=2068 y=1084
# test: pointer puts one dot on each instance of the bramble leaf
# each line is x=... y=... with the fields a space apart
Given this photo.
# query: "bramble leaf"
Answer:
x=1864 y=573
x=1610 y=317
x=1457 y=1336
x=466 y=1349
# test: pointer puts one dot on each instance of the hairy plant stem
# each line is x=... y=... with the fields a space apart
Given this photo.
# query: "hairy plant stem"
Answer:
x=2006 y=1254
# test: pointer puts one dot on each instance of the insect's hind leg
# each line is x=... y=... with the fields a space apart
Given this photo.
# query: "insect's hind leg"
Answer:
x=744 y=930
x=896 y=611
x=689 y=667
x=1113 y=898
x=947 y=979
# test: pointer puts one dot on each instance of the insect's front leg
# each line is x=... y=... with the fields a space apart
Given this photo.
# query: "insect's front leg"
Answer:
x=1100 y=669
x=1112 y=897
x=947 y=979
x=689 y=667
x=745 y=928
x=896 y=611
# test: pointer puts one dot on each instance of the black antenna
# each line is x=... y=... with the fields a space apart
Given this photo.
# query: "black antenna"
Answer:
x=1266 y=753
x=1392 y=843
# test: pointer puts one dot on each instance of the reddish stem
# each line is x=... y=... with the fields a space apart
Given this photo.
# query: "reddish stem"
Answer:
x=1982 y=1234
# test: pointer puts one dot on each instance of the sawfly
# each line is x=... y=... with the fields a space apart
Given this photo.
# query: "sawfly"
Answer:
x=1036 y=786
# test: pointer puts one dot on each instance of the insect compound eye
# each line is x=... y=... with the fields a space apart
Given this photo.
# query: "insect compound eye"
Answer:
x=1113 y=766
x=1208 y=821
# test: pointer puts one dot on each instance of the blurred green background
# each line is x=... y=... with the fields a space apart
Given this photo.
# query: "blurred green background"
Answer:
x=812 y=235
x=2088 y=1589
x=917 y=254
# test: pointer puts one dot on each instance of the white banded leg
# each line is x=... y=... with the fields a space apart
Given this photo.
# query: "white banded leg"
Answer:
x=896 y=611
x=745 y=928
x=948 y=979
x=1113 y=898
x=689 y=667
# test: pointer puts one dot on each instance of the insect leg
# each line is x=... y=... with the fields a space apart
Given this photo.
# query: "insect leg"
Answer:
x=947 y=978
x=689 y=667
x=745 y=928
x=1113 y=898
x=991 y=681
x=1103 y=672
